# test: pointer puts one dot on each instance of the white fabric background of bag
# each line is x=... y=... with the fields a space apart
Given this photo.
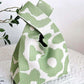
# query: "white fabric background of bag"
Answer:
x=68 y=16
x=76 y=75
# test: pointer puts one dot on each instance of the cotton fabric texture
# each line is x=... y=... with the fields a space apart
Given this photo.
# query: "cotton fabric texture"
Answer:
x=41 y=54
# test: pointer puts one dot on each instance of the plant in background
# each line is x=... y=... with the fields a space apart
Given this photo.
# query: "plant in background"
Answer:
x=9 y=21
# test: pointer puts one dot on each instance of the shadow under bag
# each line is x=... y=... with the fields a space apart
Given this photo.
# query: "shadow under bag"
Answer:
x=41 y=54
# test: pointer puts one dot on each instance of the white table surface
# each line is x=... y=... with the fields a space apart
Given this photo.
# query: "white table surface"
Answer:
x=76 y=75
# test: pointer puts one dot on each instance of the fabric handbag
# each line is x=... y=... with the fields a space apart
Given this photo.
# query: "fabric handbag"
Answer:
x=41 y=54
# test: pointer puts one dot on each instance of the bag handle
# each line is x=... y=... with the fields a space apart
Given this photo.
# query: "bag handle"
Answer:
x=46 y=8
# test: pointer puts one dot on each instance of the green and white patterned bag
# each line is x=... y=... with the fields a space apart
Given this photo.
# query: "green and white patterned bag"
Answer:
x=41 y=54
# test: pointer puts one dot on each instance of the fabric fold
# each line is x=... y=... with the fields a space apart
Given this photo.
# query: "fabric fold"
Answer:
x=36 y=17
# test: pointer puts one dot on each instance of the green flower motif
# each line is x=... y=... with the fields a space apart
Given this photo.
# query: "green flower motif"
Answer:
x=65 y=71
x=58 y=39
x=54 y=27
x=33 y=53
x=32 y=32
x=57 y=54
x=34 y=76
x=65 y=47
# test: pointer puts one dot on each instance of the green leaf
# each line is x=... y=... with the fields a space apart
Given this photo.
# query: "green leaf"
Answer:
x=6 y=37
x=5 y=42
x=17 y=18
x=4 y=34
x=17 y=11
x=11 y=24
x=0 y=2
x=8 y=41
x=10 y=16
x=15 y=21
x=2 y=30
